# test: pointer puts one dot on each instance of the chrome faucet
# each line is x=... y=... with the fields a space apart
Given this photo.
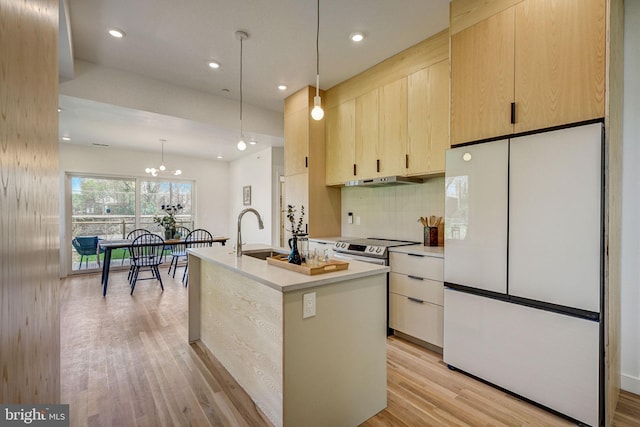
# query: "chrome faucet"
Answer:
x=239 y=239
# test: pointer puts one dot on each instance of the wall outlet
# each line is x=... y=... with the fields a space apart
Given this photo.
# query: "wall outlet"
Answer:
x=350 y=218
x=308 y=305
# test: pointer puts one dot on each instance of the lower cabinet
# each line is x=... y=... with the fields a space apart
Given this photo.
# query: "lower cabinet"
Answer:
x=416 y=296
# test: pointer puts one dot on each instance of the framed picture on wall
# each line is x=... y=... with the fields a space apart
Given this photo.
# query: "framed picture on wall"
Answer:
x=246 y=195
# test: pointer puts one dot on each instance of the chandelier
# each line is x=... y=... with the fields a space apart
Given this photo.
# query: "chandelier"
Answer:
x=162 y=168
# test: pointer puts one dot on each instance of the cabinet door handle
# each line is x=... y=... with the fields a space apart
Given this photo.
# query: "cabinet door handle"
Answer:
x=406 y=161
x=378 y=165
x=419 y=301
x=354 y=169
x=415 y=277
x=306 y=161
x=513 y=113
x=418 y=255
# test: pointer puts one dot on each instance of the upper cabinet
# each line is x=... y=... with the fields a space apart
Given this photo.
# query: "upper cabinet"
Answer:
x=534 y=65
x=296 y=133
x=340 y=142
x=400 y=116
x=367 y=150
x=428 y=119
x=392 y=125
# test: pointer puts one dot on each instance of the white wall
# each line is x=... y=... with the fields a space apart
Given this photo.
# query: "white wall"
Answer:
x=211 y=182
x=260 y=171
x=392 y=212
x=630 y=294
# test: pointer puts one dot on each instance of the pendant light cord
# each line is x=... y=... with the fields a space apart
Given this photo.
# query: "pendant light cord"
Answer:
x=241 y=40
x=318 y=49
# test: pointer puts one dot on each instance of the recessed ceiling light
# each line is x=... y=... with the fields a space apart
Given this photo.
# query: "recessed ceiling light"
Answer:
x=252 y=142
x=66 y=138
x=214 y=65
x=117 y=33
x=219 y=156
x=282 y=87
x=356 y=37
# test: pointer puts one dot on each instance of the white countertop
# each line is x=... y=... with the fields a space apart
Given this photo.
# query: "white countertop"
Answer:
x=434 y=251
x=280 y=278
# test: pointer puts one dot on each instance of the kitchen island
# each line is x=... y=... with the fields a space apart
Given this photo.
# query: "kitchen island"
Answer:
x=325 y=370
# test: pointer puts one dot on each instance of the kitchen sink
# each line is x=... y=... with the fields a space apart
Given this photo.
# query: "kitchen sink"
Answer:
x=263 y=253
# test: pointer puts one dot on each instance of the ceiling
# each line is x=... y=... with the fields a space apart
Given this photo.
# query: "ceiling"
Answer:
x=172 y=42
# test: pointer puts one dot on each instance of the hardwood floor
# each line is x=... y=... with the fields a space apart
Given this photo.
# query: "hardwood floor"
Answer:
x=126 y=362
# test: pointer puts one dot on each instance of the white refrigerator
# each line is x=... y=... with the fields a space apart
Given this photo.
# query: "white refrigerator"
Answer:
x=523 y=267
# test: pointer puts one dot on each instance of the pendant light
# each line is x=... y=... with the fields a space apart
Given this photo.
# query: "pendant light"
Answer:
x=162 y=167
x=242 y=36
x=317 y=113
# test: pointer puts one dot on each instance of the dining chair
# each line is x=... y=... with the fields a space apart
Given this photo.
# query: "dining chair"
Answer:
x=179 y=250
x=85 y=247
x=132 y=235
x=194 y=240
x=147 y=251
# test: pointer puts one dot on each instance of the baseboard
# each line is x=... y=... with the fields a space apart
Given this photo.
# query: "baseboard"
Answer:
x=630 y=384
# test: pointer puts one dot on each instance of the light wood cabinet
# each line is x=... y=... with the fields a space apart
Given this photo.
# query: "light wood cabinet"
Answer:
x=482 y=85
x=296 y=134
x=340 y=143
x=367 y=152
x=428 y=119
x=392 y=125
x=559 y=62
x=534 y=65
x=416 y=296
x=397 y=131
x=305 y=177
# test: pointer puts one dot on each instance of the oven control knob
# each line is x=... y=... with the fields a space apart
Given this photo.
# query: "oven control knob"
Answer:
x=379 y=250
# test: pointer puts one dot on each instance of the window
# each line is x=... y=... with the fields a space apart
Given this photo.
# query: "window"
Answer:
x=154 y=194
x=110 y=208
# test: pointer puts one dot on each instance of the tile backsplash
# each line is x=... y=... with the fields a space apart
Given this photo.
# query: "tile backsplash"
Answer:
x=392 y=212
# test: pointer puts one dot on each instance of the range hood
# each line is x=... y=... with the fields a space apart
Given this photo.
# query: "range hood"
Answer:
x=384 y=181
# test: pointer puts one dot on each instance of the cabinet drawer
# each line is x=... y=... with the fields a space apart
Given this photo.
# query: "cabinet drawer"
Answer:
x=427 y=267
x=424 y=289
x=421 y=320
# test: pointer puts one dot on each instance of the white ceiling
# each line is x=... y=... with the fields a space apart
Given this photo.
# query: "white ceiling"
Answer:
x=172 y=42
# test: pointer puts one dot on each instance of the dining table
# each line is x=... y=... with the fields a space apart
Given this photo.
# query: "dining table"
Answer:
x=110 y=245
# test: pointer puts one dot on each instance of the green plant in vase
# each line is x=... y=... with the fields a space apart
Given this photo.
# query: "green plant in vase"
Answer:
x=168 y=220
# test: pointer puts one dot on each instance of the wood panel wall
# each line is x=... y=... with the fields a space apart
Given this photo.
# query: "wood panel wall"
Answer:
x=29 y=242
x=465 y=13
x=613 y=200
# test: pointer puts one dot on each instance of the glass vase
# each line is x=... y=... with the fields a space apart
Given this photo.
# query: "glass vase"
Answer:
x=294 y=255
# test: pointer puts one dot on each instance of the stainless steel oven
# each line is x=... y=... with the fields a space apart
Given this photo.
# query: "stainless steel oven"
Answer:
x=370 y=250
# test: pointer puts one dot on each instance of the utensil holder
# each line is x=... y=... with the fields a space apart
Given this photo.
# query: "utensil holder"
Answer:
x=431 y=236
